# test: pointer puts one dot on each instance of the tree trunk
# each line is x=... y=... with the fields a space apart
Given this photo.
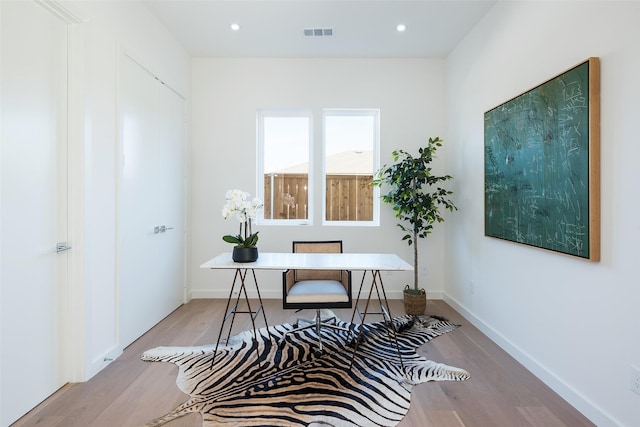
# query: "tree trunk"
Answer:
x=415 y=242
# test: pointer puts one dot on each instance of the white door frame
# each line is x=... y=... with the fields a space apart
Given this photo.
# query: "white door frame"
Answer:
x=73 y=320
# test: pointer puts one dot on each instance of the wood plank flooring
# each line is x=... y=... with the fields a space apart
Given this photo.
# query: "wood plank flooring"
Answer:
x=130 y=392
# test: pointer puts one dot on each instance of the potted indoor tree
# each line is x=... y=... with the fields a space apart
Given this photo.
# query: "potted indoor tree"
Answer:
x=416 y=196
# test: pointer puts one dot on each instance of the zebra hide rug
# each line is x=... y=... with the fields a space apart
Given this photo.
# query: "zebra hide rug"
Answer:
x=291 y=386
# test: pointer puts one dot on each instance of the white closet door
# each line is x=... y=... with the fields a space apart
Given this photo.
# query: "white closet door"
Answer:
x=171 y=201
x=33 y=214
x=151 y=261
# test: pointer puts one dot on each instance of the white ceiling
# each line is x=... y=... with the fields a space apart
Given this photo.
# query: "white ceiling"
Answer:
x=361 y=28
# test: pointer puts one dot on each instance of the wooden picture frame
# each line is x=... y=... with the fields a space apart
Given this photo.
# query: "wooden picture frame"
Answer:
x=542 y=165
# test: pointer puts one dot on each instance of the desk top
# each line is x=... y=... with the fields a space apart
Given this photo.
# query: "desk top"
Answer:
x=283 y=261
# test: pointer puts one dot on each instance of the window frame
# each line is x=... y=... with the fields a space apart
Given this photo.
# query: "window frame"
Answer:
x=261 y=115
x=356 y=112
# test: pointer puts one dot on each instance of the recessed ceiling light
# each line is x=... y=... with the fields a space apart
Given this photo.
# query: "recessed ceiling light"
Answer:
x=401 y=27
x=234 y=26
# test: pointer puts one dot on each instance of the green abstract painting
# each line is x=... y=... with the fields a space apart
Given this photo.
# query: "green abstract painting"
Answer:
x=541 y=158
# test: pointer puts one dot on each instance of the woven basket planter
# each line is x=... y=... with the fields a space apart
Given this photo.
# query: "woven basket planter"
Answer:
x=415 y=305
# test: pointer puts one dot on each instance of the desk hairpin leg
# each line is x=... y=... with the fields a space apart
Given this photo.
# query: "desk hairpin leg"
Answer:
x=384 y=307
x=353 y=313
x=242 y=274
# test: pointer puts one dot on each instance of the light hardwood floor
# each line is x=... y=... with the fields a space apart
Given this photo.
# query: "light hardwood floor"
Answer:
x=130 y=392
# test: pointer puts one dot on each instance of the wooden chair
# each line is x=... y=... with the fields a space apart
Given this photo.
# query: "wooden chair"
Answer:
x=316 y=289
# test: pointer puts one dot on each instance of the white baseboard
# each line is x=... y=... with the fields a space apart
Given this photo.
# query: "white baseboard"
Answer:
x=224 y=294
x=100 y=362
x=565 y=390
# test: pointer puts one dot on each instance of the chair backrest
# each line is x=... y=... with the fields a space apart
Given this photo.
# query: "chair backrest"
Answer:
x=327 y=246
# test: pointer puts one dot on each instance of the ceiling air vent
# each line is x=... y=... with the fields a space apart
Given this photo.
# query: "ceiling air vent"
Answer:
x=318 y=32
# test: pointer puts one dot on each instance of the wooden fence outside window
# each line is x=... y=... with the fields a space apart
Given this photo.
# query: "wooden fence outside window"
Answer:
x=349 y=197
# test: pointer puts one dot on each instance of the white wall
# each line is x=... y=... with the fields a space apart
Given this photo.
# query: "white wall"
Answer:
x=226 y=95
x=109 y=29
x=573 y=323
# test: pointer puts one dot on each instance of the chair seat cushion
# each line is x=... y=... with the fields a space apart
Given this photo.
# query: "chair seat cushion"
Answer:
x=307 y=291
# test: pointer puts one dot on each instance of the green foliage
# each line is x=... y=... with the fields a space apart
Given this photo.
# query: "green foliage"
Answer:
x=415 y=194
x=248 y=241
x=240 y=242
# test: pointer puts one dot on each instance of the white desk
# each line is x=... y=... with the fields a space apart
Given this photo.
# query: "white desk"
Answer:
x=284 y=261
x=373 y=263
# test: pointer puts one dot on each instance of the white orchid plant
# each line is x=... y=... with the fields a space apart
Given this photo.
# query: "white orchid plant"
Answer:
x=245 y=210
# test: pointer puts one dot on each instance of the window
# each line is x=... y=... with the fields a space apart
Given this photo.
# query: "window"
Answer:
x=351 y=140
x=284 y=166
x=348 y=159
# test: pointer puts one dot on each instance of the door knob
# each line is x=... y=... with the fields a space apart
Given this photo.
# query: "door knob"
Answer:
x=62 y=247
x=161 y=229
